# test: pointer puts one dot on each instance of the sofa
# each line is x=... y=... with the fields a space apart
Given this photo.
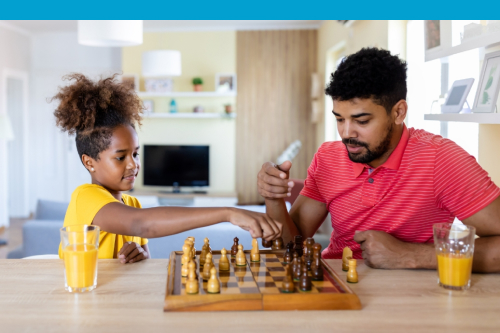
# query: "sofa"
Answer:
x=41 y=235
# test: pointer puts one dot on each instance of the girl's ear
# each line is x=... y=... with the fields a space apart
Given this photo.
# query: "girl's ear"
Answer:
x=88 y=162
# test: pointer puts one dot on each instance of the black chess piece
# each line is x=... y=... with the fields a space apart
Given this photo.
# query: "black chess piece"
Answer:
x=287 y=285
x=316 y=267
x=305 y=280
x=297 y=269
x=277 y=244
x=266 y=243
x=298 y=247
x=309 y=256
x=288 y=256
x=234 y=248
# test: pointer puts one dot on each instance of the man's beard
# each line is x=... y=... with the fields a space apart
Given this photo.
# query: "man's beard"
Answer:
x=370 y=155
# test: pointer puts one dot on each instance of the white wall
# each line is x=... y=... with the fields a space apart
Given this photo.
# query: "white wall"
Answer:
x=55 y=167
x=14 y=54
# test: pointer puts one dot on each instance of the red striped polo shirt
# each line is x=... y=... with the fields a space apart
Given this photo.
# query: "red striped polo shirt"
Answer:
x=427 y=179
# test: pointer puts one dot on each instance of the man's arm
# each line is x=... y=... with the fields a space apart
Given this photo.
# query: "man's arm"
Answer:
x=381 y=250
x=306 y=214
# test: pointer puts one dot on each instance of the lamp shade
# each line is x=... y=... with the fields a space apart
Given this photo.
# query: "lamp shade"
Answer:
x=161 y=63
x=6 y=132
x=110 y=33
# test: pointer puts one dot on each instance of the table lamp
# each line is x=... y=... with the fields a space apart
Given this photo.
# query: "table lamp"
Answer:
x=6 y=133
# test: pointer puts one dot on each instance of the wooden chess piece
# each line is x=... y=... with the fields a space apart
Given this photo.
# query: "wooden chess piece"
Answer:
x=206 y=268
x=241 y=259
x=234 y=248
x=305 y=280
x=352 y=274
x=309 y=256
x=298 y=245
x=287 y=285
x=347 y=252
x=288 y=256
x=186 y=256
x=204 y=250
x=295 y=262
x=194 y=249
x=298 y=268
x=192 y=285
x=266 y=243
x=316 y=267
x=223 y=261
x=277 y=244
x=254 y=253
x=213 y=285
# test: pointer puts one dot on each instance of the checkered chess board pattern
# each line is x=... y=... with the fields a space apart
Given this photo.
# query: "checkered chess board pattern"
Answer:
x=262 y=277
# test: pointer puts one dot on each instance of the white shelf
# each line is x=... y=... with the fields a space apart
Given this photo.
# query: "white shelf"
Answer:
x=184 y=115
x=144 y=94
x=480 y=118
x=467 y=44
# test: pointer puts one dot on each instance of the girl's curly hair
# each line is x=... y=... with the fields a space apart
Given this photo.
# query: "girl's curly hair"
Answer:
x=93 y=109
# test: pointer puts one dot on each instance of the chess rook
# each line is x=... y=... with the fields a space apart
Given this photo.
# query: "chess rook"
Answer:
x=352 y=274
x=345 y=262
x=234 y=248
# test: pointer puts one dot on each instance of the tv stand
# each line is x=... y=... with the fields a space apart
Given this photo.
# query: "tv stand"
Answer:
x=180 y=192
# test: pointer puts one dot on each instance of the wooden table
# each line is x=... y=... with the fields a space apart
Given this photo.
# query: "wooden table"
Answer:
x=129 y=298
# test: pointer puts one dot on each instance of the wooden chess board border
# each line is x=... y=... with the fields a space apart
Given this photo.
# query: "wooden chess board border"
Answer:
x=258 y=301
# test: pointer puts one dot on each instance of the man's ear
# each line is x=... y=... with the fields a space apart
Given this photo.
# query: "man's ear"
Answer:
x=88 y=163
x=399 y=111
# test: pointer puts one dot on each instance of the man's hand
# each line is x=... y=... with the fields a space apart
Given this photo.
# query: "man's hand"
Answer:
x=273 y=182
x=132 y=252
x=381 y=250
x=259 y=225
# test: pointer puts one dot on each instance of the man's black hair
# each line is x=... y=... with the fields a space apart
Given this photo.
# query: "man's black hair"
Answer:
x=370 y=73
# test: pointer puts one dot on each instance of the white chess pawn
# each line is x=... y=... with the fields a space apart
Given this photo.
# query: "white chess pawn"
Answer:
x=193 y=248
x=206 y=268
x=192 y=285
x=213 y=285
x=241 y=259
x=254 y=253
x=223 y=262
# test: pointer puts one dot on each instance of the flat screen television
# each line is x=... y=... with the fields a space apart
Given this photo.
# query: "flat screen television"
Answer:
x=176 y=165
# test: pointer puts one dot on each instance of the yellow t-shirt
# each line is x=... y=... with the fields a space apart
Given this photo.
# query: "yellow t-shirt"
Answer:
x=85 y=202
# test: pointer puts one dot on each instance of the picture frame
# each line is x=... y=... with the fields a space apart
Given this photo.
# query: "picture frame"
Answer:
x=225 y=82
x=457 y=96
x=159 y=85
x=148 y=106
x=432 y=34
x=131 y=81
x=488 y=85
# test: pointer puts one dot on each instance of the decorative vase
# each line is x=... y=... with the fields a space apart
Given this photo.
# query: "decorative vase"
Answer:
x=228 y=109
x=198 y=87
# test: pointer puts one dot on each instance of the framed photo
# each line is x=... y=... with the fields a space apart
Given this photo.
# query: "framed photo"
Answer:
x=159 y=85
x=225 y=82
x=131 y=81
x=432 y=34
x=487 y=89
x=457 y=95
x=148 y=106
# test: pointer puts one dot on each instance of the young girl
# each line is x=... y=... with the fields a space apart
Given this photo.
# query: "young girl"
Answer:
x=103 y=115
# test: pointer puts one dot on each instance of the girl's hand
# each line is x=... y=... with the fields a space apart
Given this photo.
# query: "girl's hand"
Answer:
x=259 y=225
x=132 y=252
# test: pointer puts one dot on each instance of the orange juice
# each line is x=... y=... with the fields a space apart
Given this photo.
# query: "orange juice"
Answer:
x=80 y=261
x=454 y=269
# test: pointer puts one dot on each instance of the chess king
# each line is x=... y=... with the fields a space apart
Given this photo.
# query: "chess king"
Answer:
x=384 y=184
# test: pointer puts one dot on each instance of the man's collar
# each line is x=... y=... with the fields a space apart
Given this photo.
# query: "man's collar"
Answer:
x=394 y=159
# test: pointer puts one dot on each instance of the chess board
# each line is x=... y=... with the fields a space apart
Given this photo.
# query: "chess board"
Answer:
x=256 y=286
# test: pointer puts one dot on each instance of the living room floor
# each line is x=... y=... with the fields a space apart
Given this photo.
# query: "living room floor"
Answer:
x=14 y=236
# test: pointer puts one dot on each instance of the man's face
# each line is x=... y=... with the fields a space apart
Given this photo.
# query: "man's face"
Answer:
x=365 y=128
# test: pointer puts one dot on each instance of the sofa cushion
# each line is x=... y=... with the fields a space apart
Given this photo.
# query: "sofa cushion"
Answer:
x=50 y=210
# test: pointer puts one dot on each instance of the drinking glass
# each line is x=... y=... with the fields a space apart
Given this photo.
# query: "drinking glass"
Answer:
x=80 y=244
x=455 y=250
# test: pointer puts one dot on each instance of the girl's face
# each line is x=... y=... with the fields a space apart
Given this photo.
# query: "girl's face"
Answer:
x=118 y=166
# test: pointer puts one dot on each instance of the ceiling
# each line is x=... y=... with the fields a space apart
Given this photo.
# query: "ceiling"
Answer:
x=40 y=26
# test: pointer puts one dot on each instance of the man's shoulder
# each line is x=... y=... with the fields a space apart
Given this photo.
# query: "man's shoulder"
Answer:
x=332 y=147
x=422 y=139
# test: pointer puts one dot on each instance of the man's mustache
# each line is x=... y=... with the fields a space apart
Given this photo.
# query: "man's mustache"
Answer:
x=354 y=142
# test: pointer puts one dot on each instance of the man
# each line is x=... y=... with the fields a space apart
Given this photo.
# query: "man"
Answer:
x=385 y=185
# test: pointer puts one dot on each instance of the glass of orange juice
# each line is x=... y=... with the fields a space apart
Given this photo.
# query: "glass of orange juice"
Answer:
x=455 y=250
x=80 y=244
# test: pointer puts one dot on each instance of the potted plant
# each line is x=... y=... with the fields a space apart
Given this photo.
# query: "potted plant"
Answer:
x=198 y=84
